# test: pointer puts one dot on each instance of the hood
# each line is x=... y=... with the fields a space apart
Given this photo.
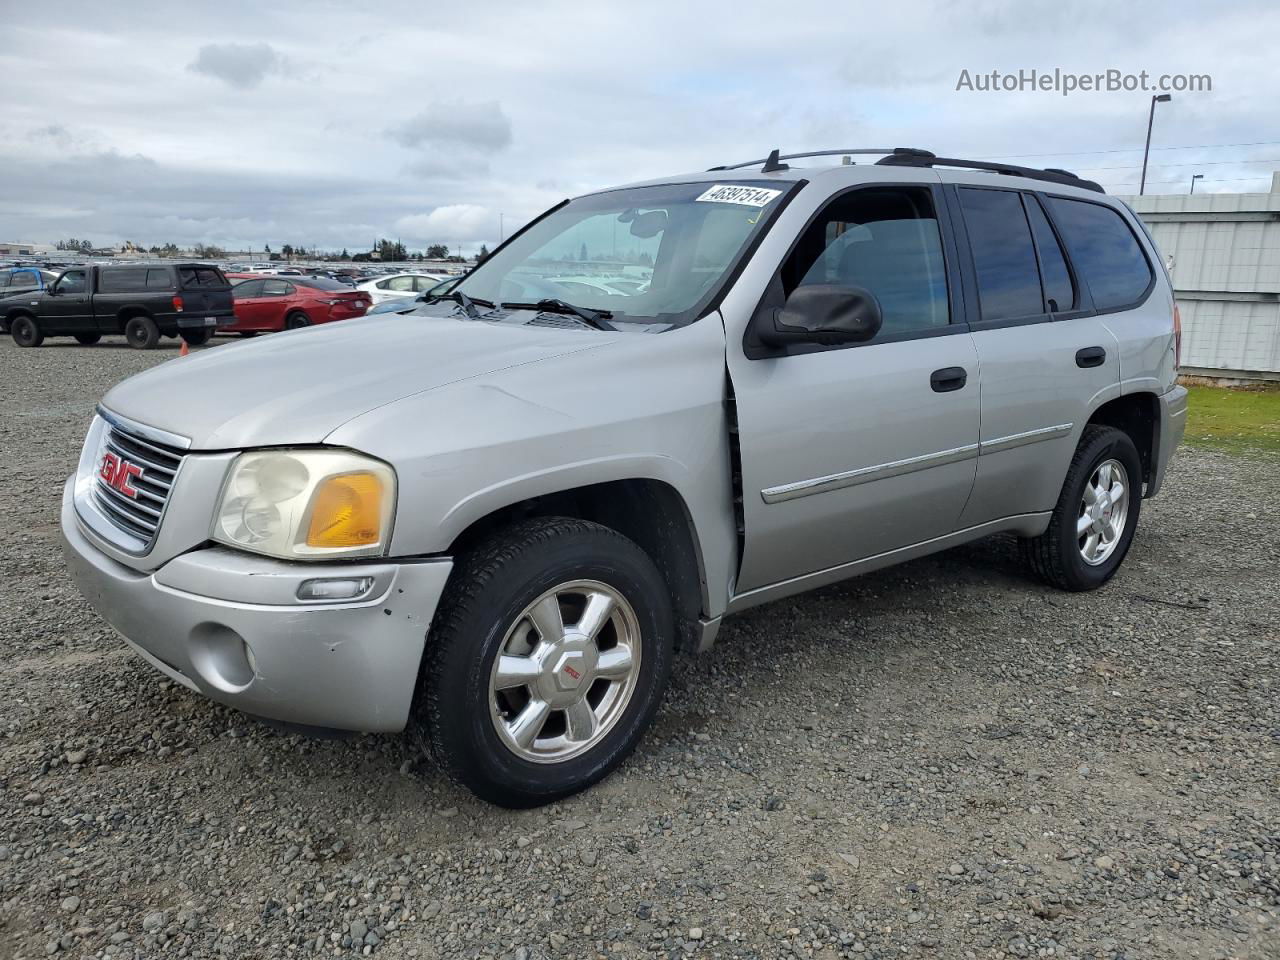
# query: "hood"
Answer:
x=298 y=387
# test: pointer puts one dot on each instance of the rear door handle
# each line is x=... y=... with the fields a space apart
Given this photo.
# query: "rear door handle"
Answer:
x=1091 y=357
x=948 y=379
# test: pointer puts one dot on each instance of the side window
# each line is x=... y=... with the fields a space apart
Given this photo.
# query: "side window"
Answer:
x=401 y=284
x=72 y=281
x=422 y=284
x=274 y=288
x=1059 y=293
x=159 y=280
x=1104 y=250
x=120 y=280
x=250 y=288
x=885 y=240
x=1003 y=254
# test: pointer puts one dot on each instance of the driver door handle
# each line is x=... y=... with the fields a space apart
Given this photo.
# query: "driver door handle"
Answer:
x=948 y=379
x=1091 y=357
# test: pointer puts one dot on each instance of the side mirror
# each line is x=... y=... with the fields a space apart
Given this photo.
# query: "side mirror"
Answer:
x=826 y=313
x=52 y=289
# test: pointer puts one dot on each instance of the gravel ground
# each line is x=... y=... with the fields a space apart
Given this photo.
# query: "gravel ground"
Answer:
x=942 y=760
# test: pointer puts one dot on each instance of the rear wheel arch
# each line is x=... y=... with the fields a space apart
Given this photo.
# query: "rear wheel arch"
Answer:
x=650 y=513
x=1138 y=416
x=125 y=314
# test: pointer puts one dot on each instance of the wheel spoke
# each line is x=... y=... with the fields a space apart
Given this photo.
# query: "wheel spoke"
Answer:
x=547 y=620
x=615 y=663
x=1083 y=525
x=581 y=721
x=1104 y=476
x=1090 y=494
x=1091 y=546
x=1116 y=492
x=524 y=729
x=1108 y=531
x=515 y=672
x=596 y=614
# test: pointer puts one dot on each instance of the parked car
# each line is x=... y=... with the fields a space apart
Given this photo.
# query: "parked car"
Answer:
x=265 y=304
x=493 y=519
x=406 y=305
x=398 y=285
x=19 y=280
x=144 y=302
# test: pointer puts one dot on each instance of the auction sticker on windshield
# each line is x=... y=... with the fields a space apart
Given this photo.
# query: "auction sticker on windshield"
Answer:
x=736 y=193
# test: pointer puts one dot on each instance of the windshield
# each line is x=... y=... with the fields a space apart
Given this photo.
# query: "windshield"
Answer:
x=645 y=253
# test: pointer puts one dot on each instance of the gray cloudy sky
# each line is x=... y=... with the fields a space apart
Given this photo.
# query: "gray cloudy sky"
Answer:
x=332 y=123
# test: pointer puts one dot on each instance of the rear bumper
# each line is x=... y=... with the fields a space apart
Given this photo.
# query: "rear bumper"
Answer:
x=228 y=625
x=1172 y=425
x=187 y=321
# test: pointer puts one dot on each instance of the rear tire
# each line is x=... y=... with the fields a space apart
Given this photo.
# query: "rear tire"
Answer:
x=248 y=333
x=296 y=321
x=1074 y=553
x=141 y=333
x=196 y=337
x=26 y=331
x=595 y=690
x=88 y=339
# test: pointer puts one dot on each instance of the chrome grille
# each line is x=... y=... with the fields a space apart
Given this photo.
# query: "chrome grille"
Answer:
x=137 y=516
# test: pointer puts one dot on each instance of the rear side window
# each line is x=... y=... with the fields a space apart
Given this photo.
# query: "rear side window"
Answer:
x=250 y=288
x=1003 y=254
x=202 y=277
x=321 y=283
x=276 y=288
x=885 y=240
x=121 y=280
x=159 y=280
x=1104 y=250
x=1059 y=293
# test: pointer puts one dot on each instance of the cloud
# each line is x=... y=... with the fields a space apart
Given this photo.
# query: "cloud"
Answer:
x=241 y=65
x=456 y=222
x=477 y=126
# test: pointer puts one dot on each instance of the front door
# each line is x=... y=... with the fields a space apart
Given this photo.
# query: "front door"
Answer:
x=67 y=307
x=853 y=451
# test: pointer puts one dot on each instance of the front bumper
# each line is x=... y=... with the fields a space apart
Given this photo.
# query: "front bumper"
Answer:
x=228 y=625
x=1173 y=424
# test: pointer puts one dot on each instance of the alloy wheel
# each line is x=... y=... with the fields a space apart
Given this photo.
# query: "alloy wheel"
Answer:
x=1104 y=508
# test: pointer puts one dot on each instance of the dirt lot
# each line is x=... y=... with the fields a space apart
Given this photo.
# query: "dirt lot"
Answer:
x=942 y=760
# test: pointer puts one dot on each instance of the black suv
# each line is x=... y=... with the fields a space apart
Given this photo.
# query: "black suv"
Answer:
x=141 y=301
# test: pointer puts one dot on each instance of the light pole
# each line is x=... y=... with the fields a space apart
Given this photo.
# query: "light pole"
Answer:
x=1194 y=178
x=1161 y=98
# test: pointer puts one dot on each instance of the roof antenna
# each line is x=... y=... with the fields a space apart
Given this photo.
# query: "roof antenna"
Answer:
x=773 y=164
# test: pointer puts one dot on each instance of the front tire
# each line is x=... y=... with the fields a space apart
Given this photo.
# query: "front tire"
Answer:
x=88 y=339
x=1096 y=515
x=141 y=333
x=546 y=661
x=197 y=336
x=26 y=331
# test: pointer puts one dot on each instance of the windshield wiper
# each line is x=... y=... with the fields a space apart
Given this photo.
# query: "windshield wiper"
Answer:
x=468 y=305
x=594 y=318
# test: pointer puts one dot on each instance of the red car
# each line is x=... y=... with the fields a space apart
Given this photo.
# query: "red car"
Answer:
x=265 y=303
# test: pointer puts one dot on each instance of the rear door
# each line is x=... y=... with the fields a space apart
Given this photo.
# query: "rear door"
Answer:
x=274 y=303
x=247 y=300
x=856 y=450
x=1047 y=361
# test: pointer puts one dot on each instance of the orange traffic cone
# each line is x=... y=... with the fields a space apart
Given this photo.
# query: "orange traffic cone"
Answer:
x=184 y=349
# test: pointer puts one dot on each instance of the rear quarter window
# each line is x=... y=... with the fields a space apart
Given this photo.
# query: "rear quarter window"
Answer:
x=1104 y=250
x=121 y=280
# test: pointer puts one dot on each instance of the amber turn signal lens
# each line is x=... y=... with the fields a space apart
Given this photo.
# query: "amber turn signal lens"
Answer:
x=346 y=511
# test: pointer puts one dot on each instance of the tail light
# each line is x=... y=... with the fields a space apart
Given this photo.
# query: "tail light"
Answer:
x=1177 y=337
x=177 y=304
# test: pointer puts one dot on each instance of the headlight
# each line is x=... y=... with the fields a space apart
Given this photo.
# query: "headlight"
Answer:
x=305 y=504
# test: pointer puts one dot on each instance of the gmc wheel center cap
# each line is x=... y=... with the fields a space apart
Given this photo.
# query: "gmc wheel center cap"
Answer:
x=568 y=670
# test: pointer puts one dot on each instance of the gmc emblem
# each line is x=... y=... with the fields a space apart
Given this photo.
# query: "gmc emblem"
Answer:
x=118 y=473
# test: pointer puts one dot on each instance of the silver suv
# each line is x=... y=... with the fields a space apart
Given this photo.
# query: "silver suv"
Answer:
x=492 y=518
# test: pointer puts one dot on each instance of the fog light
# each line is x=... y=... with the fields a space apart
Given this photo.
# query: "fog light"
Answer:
x=335 y=588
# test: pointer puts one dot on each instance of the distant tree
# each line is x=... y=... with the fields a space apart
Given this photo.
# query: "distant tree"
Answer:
x=344 y=255
x=287 y=250
x=437 y=251
x=266 y=248
x=208 y=251
x=483 y=255
x=582 y=255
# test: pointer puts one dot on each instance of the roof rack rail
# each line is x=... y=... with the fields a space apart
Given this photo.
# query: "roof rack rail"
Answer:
x=915 y=157
x=859 y=151
x=922 y=158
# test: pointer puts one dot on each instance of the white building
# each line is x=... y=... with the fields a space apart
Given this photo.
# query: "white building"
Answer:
x=16 y=249
x=1225 y=250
